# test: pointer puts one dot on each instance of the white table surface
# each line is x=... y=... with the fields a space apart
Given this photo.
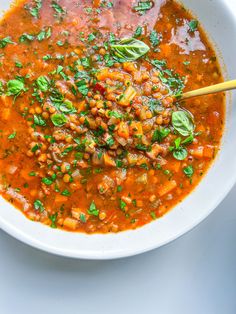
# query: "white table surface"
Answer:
x=195 y=274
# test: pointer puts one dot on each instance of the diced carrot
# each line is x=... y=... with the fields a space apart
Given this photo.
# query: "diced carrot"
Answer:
x=123 y=130
x=61 y=198
x=136 y=128
x=25 y=174
x=209 y=151
x=71 y=223
x=7 y=101
x=129 y=66
x=108 y=160
x=201 y=128
x=175 y=166
x=165 y=49
x=81 y=106
x=102 y=75
x=167 y=187
x=197 y=152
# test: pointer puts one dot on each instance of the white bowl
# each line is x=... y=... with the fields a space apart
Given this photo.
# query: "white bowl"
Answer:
x=220 y=25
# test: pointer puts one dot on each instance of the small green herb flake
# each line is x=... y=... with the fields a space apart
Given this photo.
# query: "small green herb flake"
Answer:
x=155 y=38
x=160 y=134
x=193 y=25
x=34 y=11
x=153 y=215
x=188 y=171
x=12 y=135
x=43 y=83
x=143 y=7
x=53 y=219
x=38 y=205
x=138 y=31
x=122 y=205
x=47 y=181
x=66 y=193
x=58 y=9
x=82 y=218
x=5 y=41
x=38 y=120
x=93 y=211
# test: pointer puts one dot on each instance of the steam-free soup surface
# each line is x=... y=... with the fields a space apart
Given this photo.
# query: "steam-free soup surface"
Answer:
x=92 y=137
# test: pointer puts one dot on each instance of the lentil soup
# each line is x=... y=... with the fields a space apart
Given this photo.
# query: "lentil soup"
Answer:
x=93 y=138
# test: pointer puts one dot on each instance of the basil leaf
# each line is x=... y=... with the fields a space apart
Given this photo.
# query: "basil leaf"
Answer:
x=15 y=87
x=43 y=83
x=180 y=153
x=182 y=122
x=129 y=49
x=67 y=107
x=58 y=119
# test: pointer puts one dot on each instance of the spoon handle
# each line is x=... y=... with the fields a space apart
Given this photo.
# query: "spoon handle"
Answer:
x=222 y=87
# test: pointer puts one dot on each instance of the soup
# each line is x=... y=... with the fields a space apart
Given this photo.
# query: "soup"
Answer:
x=93 y=137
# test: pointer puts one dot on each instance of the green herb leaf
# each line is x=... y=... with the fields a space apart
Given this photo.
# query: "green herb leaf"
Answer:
x=122 y=205
x=57 y=8
x=82 y=87
x=82 y=217
x=34 y=11
x=26 y=37
x=159 y=135
x=143 y=7
x=15 y=87
x=11 y=136
x=5 y=41
x=193 y=25
x=58 y=119
x=93 y=210
x=47 y=181
x=154 y=38
x=43 y=83
x=188 y=171
x=182 y=122
x=38 y=120
x=67 y=107
x=129 y=49
x=180 y=154
x=38 y=205
x=53 y=219
x=138 y=32
x=44 y=34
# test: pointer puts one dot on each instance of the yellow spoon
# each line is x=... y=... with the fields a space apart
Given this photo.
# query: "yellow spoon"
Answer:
x=222 y=87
